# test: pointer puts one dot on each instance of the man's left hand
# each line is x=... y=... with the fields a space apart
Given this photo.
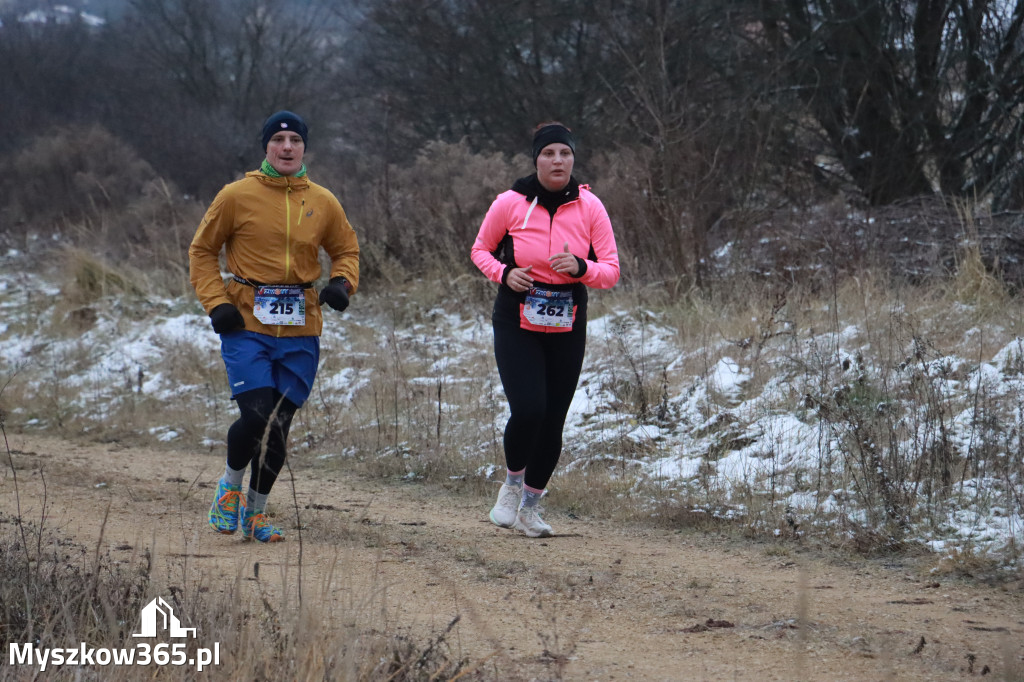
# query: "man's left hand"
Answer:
x=335 y=294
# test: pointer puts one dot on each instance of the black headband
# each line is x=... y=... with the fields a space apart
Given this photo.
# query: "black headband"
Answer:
x=551 y=134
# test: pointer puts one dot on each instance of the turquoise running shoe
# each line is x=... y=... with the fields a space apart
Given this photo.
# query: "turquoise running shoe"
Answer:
x=224 y=512
x=256 y=525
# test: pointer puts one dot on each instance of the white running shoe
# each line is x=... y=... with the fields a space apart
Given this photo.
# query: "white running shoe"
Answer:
x=529 y=521
x=504 y=511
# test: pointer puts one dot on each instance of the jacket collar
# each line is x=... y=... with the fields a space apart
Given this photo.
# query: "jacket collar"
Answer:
x=531 y=188
x=291 y=182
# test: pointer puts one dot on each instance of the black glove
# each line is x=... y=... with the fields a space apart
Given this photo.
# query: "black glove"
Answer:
x=335 y=294
x=226 y=318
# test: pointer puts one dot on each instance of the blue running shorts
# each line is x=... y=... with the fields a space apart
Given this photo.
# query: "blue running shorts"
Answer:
x=287 y=364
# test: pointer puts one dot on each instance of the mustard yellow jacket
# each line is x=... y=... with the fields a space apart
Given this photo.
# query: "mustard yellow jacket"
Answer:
x=271 y=230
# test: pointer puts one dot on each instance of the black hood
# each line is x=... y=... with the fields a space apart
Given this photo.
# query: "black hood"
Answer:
x=531 y=188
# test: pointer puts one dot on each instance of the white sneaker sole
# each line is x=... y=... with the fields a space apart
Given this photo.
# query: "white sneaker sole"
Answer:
x=511 y=510
x=532 y=533
x=497 y=523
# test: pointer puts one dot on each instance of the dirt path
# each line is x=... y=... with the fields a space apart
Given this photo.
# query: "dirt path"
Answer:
x=597 y=602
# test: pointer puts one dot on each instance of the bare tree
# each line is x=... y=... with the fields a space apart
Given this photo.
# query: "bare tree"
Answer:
x=248 y=55
x=482 y=70
x=48 y=76
x=910 y=97
x=663 y=85
x=684 y=109
x=202 y=75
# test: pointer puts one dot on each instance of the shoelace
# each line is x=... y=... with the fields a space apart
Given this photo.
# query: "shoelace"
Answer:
x=260 y=521
x=533 y=511
x=229 y=501
x=509 y=494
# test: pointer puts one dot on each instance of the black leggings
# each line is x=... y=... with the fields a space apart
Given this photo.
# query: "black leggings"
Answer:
x=539 y=372
x=245 y=436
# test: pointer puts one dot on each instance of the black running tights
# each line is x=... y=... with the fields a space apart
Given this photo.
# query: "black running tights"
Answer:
x=246 y=443
x=539 y=372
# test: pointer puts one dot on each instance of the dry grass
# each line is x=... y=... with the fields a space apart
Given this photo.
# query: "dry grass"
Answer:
x=260 y=636
x=414 y=394
x=57 y=594
x=842 y=344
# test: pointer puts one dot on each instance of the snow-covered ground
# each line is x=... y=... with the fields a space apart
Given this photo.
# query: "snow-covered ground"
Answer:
x=794 y=430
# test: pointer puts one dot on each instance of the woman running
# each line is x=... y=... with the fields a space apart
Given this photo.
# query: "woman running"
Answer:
x=544 y=241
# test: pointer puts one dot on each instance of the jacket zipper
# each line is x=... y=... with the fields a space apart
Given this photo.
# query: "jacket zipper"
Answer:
x=288 y=236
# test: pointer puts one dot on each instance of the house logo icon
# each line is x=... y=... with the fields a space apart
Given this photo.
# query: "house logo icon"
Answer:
x=158 y=614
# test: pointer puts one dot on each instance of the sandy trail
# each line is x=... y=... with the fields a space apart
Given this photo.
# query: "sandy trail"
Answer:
x=596 y=602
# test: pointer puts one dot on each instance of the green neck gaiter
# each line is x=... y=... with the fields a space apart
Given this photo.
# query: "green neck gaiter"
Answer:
x=267 y=169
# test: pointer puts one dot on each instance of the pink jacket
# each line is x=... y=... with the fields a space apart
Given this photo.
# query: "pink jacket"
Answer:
x=583 y=223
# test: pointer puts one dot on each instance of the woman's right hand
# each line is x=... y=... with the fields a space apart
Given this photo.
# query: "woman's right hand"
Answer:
x=519 y=279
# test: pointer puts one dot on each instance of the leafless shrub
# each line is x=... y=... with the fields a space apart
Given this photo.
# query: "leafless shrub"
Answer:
x=85 y=187
x=72 y=173
x=421 y=219
x=926 y=241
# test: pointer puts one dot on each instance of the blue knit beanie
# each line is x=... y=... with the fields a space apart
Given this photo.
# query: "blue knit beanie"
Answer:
x=284 y=120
